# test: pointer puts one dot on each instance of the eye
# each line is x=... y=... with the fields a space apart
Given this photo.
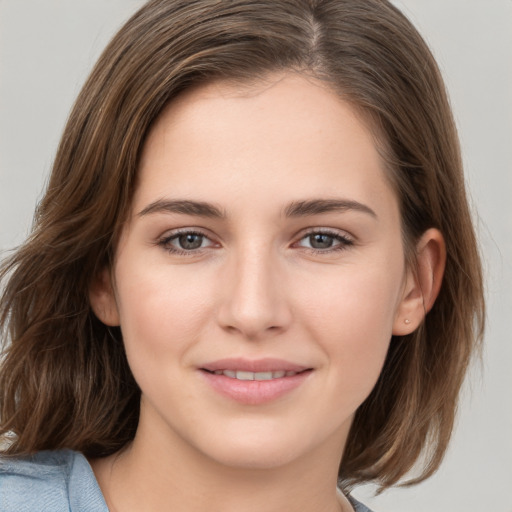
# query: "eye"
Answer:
x=185 y=242
x=189 y=241
x=325 y=241
x=321 y=241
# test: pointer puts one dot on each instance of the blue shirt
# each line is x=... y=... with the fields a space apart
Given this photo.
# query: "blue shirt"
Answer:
x=52 y=481
x=57 y=481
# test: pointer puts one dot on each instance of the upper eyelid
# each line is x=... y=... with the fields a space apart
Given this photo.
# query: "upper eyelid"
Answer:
x=305 y=231
x=324 y=230
x=170 y=233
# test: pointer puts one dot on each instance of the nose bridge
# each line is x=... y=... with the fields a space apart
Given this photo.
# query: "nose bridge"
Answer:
x=254 y=302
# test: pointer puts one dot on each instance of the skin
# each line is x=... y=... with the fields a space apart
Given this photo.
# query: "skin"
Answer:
x=256 y=288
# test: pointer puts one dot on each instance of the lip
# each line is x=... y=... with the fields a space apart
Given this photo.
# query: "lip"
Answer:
x=254 y=365
x=254 y=392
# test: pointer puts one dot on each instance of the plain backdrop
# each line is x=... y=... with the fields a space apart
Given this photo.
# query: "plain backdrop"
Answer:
x=47 y=48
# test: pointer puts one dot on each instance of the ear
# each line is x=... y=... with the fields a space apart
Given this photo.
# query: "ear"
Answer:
x=422 y=284
x=102 y=299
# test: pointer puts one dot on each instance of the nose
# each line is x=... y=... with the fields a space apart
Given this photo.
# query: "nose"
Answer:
x=254 y=300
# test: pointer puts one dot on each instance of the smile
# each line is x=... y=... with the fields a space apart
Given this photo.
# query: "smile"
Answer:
x=254 y=382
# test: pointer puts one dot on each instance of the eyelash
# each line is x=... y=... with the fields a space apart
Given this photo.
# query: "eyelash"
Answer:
x=343 y=242
x=165 y=242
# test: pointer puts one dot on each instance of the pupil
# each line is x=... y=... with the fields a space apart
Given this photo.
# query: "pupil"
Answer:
x=190 y=241
x=320 y=241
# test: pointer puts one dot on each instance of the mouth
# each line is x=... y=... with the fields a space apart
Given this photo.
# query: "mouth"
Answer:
x=247 y=375
x=266 y=368
x=254 y=382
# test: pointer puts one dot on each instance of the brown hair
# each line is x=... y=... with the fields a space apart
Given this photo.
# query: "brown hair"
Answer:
x=65 y=381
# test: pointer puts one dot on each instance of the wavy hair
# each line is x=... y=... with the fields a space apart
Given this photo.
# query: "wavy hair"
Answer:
x=65 y=380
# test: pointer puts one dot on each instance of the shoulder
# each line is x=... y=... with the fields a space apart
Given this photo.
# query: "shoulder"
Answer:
x=50 y=480
x=35 y=481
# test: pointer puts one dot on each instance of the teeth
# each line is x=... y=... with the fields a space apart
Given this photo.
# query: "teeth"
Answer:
x=240 y=375
x=263 y=376
x=243 y=375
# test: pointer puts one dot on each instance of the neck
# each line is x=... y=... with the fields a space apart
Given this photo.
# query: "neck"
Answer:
x=162 y=474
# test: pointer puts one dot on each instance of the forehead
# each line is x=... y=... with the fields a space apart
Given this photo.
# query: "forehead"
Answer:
x=288 y=134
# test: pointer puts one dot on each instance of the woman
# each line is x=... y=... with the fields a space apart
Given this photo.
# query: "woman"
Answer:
x=253 y=274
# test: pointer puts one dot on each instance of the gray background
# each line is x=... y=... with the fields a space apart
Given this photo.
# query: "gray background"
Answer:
x=47 y=48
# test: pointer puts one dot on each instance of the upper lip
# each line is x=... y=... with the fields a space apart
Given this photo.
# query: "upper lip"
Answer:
x=254 y=365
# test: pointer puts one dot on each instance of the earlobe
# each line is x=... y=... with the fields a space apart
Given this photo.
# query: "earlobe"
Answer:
x=422 y=283
x=102 y=299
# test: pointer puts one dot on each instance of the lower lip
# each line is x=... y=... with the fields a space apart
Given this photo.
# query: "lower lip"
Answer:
x=254 y=392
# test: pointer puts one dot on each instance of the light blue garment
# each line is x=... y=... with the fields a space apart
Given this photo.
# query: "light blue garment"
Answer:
x=51 y=481
x=57 y=481
x=358 y=507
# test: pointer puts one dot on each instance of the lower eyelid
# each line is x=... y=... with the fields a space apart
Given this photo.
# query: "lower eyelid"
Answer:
x=340 y=246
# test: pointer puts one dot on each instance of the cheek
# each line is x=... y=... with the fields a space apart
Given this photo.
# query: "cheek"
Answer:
x=352 y=320
x=353 y=304
x=162 y=314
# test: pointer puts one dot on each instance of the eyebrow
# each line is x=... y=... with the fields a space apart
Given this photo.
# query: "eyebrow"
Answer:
x=185 y=207
x=319 y=206
x=294 y=209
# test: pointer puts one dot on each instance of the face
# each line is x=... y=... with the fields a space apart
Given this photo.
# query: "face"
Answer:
x=261 y=274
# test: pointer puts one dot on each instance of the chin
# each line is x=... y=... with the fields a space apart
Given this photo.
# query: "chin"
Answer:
x=261 y=448
x=260 y=457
